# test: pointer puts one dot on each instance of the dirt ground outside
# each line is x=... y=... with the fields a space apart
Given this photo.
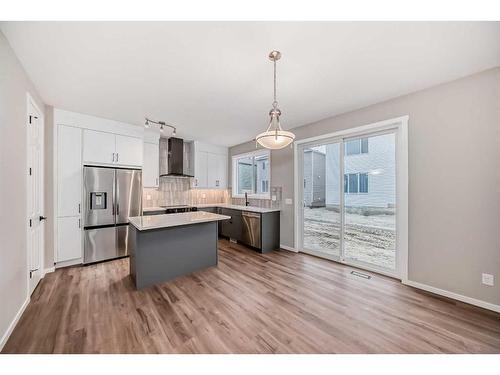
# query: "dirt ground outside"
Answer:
x=370 y=239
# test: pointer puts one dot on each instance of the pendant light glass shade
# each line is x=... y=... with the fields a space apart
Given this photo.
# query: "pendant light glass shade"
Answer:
x=275 y=137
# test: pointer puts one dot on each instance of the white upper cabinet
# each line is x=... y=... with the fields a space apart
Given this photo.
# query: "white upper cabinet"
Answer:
x=98 y=147
x=200 y=169
x=107 y=148
x=128 y=150
x=151 y=168
x=69 y=171
x=221 y=181
x=210 y=167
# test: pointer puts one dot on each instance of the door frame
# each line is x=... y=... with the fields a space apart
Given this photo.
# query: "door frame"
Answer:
x=400 y=124
x=30 y=102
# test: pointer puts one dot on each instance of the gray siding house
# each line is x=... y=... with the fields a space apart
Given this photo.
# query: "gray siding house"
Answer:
x=369 y=173
x=314 y=177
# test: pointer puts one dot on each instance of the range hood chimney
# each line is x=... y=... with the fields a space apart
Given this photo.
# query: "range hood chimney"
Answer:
x=175 y=158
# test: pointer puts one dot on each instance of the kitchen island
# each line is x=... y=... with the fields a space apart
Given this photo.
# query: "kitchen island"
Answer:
x=168 y=246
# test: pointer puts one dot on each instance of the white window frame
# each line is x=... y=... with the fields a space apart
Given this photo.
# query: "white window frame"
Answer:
x=358 y=174
x=234 y=166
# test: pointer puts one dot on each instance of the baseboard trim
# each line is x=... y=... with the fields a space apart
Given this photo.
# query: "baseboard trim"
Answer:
x=48 y=270
x=292 y=249
x=13 y=324
x=458 y=297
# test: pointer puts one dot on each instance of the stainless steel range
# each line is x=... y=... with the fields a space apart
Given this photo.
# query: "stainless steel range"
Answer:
x=111 y=196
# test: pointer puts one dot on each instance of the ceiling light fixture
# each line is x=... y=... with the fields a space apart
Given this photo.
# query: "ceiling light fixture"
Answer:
x=275 y=137
x=148 y=122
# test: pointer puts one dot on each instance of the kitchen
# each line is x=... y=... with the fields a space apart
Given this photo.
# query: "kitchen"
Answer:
x=108 y=181
x=245 y=187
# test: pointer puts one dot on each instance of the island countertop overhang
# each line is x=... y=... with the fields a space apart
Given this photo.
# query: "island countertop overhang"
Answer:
x=142 y=223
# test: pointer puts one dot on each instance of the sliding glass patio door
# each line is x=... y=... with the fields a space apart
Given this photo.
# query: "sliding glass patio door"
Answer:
x=347 y=186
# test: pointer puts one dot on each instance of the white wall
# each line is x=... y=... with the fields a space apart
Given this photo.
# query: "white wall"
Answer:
x=13 y=258
x=454 y=180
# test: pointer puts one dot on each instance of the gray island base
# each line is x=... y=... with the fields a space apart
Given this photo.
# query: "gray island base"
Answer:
x=167 y=246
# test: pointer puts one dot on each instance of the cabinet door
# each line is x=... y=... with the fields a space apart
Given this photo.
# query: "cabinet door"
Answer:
x=212 y=170
x=69 y=240
x=98 y=147
x=221 y=181
x=151 y=168
x=128 y=150
x=69 y=170
x=200 y=169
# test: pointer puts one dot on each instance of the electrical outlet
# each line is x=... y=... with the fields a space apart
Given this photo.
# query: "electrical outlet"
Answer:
x=148 y=197
x=488 y=279
x=288 y=201
x=203 y=196
x=273 y=197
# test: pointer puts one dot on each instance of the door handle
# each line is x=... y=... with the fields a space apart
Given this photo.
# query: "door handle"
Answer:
x=43 y=218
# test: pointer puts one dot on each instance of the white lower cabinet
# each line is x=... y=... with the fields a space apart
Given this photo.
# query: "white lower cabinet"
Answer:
x=69 y=239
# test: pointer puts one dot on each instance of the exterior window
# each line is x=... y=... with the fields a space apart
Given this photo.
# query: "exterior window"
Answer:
x=251 y=174
x=355 y=183
x=356 y=146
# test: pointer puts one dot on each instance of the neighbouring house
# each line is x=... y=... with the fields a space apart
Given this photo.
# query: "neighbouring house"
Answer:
x=369 y=174
x=314 y=177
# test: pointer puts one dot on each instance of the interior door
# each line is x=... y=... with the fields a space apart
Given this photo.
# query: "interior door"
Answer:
x=35 y=215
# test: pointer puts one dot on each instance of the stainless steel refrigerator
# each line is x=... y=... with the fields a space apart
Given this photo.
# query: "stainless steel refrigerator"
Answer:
x=111 y=196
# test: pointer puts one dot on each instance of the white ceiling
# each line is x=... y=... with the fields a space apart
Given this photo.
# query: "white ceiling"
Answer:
x=214 y=81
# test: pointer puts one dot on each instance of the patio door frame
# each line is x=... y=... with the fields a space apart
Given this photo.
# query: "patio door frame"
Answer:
x=398 y=126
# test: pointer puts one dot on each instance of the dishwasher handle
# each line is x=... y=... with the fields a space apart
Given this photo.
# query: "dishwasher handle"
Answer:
x=250 y=214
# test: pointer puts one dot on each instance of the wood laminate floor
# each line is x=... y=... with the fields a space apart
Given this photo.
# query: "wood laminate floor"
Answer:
x=281 y=302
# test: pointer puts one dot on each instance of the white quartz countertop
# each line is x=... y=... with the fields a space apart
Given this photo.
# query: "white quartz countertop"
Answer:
x=174 y=220
x=238 y=207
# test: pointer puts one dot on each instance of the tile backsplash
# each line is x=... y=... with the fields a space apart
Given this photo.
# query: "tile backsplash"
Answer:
x=276 y=193
x=178 y=191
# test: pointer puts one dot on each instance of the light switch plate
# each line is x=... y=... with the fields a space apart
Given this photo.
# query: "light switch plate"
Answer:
x=273 y=198
x=288 y=201
x=488 y=279
x=148 y=197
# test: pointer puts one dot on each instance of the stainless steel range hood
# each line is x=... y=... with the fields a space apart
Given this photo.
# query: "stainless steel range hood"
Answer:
x=176 y=158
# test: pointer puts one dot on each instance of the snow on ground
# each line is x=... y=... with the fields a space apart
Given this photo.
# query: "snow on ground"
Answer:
x=370 y=239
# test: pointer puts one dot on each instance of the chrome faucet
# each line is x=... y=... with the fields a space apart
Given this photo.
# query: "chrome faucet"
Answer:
x=247 y=203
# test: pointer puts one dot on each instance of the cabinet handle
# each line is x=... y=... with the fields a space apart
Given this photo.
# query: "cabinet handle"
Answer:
x=117 y=156
x=113 y=157
x=157 y=182
x=78 y=207
x=79 y=223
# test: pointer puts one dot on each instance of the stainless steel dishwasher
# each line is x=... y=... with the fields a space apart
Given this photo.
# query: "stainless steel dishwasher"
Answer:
x=251 y=229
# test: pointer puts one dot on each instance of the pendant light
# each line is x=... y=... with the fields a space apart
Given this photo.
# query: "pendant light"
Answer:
x=275 y=137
